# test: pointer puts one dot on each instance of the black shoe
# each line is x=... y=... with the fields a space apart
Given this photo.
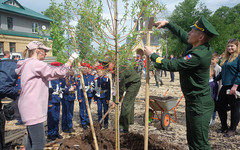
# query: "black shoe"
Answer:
x=66 y=131
x=58 y=136
x=52 y=138
x=171 y=81
x=19 y=122
x=106 y=126
x=230 y=133
x=123 y=131
x=161 y=83
x=222 y=130
x=71 y=130
x=84 y=127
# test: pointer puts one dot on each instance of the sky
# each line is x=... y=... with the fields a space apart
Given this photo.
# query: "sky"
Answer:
x=42 y=5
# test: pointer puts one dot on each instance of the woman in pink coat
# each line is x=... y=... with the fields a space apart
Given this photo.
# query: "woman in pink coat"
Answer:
x=33 y=100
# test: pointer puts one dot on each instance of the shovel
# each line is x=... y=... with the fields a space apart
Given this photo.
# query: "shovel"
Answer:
x=109 y=110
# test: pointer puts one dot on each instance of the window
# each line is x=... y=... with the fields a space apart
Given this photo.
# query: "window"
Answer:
x=1 y=47
x=12 y=47
x=12 y=2
x=10 y=23
x=35 y=27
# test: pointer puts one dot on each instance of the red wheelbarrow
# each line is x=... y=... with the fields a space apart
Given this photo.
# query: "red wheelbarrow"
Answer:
x=163 y=104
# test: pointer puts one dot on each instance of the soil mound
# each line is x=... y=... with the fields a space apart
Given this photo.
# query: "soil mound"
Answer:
x=106 y=141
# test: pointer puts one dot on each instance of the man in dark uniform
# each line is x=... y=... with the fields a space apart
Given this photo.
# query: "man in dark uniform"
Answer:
x=9 y=89
x=130 y=82
x=193 y=68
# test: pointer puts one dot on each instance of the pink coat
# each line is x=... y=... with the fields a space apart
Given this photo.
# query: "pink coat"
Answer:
x=33 y=100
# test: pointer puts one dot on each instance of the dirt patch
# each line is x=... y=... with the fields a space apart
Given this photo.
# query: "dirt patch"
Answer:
x=106 y=141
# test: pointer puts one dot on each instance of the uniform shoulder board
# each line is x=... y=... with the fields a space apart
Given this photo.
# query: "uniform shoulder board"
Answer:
x=78 y=76
x=19 y=77
x=105 y=76
x=96 y=78
x=189 y=56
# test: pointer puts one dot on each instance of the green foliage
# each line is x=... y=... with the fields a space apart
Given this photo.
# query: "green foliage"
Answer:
x=185 y=14
x=227 y=22
x=94 y=33
x=57 y=30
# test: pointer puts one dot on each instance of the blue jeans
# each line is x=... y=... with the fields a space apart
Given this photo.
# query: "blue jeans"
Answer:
x=36 y=137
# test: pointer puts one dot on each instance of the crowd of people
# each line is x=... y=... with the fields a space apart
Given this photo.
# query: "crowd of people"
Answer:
x=41 y=88
x=140 y=67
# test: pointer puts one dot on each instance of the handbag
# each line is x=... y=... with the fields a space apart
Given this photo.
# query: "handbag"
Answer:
x=8 y=111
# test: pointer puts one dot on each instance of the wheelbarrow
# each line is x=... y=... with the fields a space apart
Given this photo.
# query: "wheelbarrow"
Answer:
x=163 y=104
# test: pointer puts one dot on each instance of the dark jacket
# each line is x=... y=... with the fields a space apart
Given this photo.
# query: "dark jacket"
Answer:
x=8 y=79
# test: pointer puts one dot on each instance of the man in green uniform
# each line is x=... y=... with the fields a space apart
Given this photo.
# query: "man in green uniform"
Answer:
x=130 y=82
x=193 y=68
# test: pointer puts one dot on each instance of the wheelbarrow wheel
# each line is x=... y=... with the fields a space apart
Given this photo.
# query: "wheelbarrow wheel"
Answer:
x=165 y=120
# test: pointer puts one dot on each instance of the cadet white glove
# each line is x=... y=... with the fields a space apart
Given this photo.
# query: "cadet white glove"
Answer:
x=73 y=56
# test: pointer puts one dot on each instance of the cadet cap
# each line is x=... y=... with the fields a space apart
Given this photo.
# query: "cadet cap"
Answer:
x=205 y=26
x=99 y=67
x=85 y=65
x=56 y=63
x=105 y=60
x=36 y=44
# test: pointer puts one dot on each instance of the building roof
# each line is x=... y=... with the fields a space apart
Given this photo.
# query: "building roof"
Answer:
x=22 y=34
x=21 y=10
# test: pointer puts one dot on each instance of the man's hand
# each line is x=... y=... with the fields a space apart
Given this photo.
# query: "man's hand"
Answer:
x=234 y=89
x=113 y=105
x=161 y=24
x=80 y=100
x=71 y=89
x=148 y=50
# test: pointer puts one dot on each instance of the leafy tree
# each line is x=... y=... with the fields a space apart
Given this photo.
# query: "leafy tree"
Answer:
x=57 y=30
x=185 y=14
x=226 y=21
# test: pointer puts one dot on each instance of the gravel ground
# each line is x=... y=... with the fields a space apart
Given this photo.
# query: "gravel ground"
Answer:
x=174 y=135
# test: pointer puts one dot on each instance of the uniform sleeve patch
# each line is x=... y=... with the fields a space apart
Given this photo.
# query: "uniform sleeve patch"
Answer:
x=187 y=57
x=159 y=60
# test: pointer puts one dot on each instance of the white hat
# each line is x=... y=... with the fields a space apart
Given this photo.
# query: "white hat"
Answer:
x=36 y=44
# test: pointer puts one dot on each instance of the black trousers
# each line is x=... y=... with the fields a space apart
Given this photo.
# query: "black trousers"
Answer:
x=172 y=76
x=224 y=102
x=12 y=93
x=2 y=128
